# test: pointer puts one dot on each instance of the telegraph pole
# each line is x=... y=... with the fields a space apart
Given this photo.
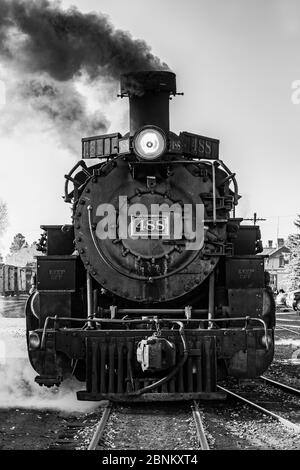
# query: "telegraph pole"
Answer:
x=255 y=218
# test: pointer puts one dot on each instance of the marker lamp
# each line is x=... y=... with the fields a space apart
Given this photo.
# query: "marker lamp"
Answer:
x=34 y=340
x=149 y=143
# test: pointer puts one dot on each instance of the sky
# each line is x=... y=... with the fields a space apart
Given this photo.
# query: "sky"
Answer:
x=236 y=62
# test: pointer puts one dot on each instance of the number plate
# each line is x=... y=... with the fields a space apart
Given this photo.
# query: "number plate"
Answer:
x=147 y=226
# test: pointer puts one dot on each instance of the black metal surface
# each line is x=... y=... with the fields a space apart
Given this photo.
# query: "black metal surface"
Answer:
x=148 y=94
x=246 y=240
x=56 y=273
x=60 y=239
x=151 y=397
x=245 y=272
x=112 y=368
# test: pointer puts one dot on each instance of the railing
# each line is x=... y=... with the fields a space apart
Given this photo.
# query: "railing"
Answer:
x=155 y=321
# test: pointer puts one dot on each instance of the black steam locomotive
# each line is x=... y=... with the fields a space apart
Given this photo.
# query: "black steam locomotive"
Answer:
x=156 y=290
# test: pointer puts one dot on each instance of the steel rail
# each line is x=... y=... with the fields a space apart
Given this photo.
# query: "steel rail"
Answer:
x=281 y=386
x=292 y=320
x=283 y=421
x=100 y=428
x=287 y=329
x=11 y=307
x=199 y=427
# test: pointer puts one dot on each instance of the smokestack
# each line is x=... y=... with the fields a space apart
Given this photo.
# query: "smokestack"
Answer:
x=149 y=97
x=270 y=243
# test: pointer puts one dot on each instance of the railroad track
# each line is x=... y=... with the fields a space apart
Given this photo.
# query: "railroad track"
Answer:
x=285 y=328
x=199 y=427
x=114 y=414
x=12 y=306
x=281 y=386
x=100 y=428
x=97 y=438
x=289 y=390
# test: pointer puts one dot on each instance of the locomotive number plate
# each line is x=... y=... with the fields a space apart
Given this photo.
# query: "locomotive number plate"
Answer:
x=147 y=226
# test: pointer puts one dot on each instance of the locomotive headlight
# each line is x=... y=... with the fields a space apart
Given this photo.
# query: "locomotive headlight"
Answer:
x=149 y=143
x=34 y=340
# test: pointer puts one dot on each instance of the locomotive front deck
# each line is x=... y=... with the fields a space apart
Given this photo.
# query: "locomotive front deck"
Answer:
x=108 y=352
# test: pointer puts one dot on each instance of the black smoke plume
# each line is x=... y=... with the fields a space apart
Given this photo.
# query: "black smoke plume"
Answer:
x=50 y=48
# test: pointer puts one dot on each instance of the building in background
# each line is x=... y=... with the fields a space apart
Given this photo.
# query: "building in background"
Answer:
x=276 y=263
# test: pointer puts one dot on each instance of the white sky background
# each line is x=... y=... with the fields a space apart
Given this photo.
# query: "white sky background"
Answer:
x=235 y=61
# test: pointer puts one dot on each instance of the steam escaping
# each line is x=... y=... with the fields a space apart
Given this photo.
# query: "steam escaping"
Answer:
x=18 y=390
x=53 y=49
x=17 y=386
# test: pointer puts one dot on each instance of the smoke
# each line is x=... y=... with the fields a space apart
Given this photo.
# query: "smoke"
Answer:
x=63 y=108
x=53 y=50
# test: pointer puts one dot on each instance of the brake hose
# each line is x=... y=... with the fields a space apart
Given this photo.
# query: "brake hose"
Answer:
x=171 y=374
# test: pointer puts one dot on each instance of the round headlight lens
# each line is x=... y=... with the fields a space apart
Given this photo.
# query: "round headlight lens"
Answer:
x=34 y=340
x=149 y=143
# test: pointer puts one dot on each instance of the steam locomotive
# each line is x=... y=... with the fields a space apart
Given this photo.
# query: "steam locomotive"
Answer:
x=156 y=290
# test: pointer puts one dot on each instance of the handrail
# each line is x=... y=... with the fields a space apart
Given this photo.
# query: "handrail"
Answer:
x=68 y=177
x=155 y=321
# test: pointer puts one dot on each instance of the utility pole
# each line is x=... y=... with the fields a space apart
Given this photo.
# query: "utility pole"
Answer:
x=255 y=218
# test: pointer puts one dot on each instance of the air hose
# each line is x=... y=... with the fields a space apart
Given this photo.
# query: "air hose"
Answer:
x=174 y=371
